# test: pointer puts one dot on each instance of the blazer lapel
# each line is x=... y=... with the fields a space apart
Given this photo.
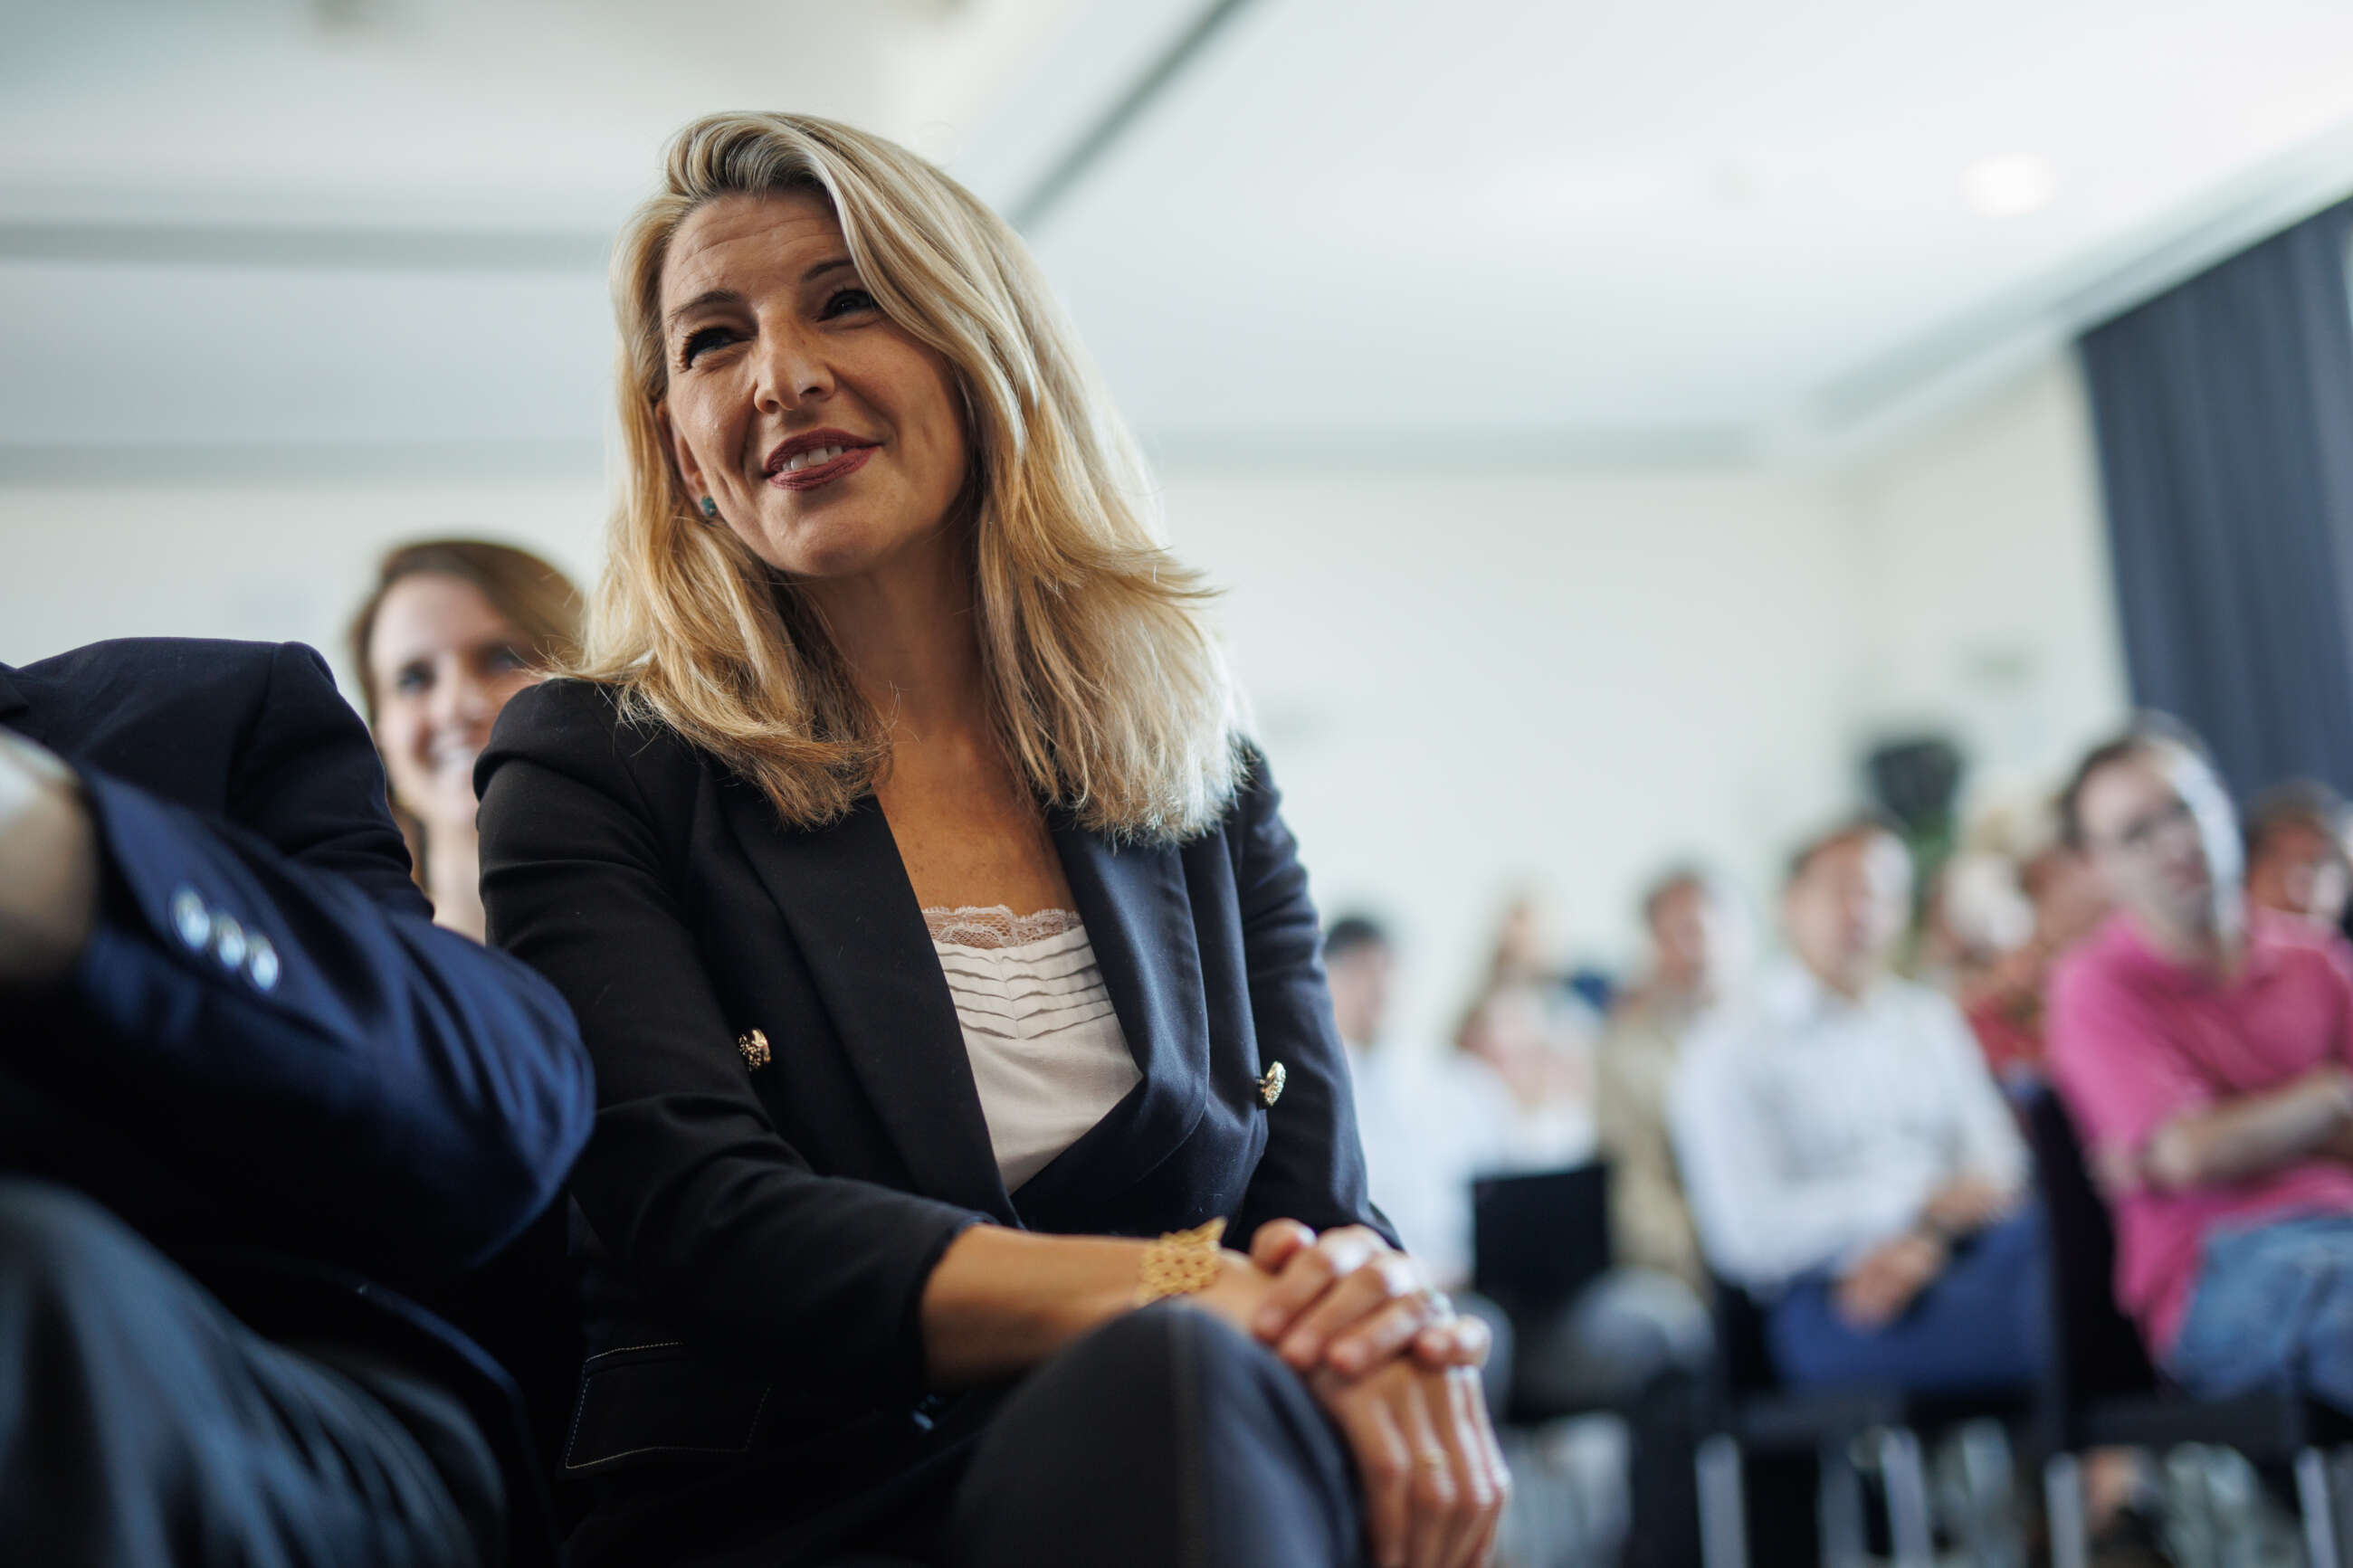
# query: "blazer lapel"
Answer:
x=12 y=697
x=1139 y=920
x=844 y=893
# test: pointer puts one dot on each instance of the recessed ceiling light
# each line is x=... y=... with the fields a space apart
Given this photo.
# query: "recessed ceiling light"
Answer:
x=2009 y=186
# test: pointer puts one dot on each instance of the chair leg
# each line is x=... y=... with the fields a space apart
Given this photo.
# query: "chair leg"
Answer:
x=2316 y=1499
x=2340 y=1475
x=1905 y=1475
x=1989 y=1527
x=1838 y=1509
x=1723 y=1509
x=2062 y=1501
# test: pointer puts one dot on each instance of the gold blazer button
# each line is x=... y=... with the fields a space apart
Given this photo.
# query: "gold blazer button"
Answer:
x=1270 y=1088
x=754 y=1046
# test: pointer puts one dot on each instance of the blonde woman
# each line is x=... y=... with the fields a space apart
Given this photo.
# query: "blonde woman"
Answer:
x=950 y=973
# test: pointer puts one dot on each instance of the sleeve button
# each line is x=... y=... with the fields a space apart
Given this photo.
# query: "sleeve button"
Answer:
x=191 y=920
x=262 y=963
x=228 y=944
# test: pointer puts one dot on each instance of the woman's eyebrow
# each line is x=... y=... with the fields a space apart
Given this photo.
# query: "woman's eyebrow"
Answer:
x=708 y=297
x=822 y=268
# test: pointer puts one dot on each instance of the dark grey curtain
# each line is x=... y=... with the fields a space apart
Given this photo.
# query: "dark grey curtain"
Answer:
x=2225 y=416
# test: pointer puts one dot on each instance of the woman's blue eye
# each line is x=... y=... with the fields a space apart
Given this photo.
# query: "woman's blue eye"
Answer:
x=412 y=680
x=503 y=660
x=708 y=338
x=846 y=300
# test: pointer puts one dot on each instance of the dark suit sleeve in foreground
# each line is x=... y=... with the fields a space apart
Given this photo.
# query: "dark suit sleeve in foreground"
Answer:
x=380 y=1092
x=686 y=1180
x=1314 y=1167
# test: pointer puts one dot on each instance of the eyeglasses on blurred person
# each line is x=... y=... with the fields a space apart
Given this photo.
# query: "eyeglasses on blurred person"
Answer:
x=939 y=944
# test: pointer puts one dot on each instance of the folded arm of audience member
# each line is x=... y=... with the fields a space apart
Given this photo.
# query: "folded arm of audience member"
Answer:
x=396 y=1097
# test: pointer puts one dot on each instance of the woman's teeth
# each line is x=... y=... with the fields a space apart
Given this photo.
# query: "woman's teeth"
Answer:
x=814 y=455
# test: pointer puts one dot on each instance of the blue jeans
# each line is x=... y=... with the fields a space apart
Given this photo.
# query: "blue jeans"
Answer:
x=1981 y=1324
x=2272 y=1303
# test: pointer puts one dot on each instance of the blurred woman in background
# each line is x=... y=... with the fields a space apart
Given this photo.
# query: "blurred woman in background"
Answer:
x=452 y=628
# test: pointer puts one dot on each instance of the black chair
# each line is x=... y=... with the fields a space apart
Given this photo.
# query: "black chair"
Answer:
x=1753 y=1414
x=1537 y=1240
x=2102 y=1391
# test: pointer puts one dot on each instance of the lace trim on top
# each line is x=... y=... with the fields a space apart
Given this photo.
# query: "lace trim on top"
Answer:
x=995 y=925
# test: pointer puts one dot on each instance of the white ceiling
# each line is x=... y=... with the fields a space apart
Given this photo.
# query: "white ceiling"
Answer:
x=1406 y=227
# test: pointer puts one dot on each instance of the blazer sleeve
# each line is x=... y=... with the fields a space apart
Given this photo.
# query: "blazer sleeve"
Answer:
x=686 y=1181
x=271 y=992
x=1314 y=1166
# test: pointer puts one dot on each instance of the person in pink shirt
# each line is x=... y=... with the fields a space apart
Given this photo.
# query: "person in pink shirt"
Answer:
x=2205 y=1047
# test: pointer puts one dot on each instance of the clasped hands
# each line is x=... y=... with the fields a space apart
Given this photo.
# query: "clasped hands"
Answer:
x=1394 y=1368
x=1877 y=1286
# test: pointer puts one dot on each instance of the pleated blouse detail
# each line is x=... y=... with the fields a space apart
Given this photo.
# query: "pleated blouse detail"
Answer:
x=1046 y=1052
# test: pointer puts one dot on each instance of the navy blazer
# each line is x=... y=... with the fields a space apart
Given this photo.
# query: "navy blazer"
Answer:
x=265 y=1007
x=760 y=1222
x=268 y=1060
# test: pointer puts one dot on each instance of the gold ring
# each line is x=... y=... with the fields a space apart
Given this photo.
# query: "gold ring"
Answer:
x=1432 y=1460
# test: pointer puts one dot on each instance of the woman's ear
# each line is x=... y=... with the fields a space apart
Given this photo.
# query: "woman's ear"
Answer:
x=682 y=460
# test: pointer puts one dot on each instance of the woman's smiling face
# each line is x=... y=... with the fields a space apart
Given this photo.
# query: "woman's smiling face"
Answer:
x=443 y=662
x=829 y=437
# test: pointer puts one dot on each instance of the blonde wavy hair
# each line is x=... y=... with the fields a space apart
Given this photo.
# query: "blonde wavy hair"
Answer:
x=1107 y=691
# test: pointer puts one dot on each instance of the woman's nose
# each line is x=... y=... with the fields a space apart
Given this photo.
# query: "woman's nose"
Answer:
x=791 y=370
x=459 y=698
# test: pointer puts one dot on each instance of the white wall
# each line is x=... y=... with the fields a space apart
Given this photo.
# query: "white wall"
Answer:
x=1555 y=678
x=1987 y=600
x=268 y=561
x=1467 y=680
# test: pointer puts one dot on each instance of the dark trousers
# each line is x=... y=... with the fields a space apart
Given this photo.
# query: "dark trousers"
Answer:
x=1164 y=1439
x=142 y=1424
x=1981 y=1324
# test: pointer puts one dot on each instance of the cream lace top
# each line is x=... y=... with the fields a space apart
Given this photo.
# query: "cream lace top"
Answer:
x=1047 y=1053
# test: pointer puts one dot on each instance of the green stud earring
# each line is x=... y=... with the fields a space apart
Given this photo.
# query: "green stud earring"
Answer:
x=710 y=507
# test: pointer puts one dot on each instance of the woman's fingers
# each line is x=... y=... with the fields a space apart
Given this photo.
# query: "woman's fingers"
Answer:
x=1384 y=1468
x=1389 y=1329
x=1380 y=1277
x=1432 y=1496
x=1484 y=1481
x=1309 y=1272
x=1276 y=1241
x=1454 y=1340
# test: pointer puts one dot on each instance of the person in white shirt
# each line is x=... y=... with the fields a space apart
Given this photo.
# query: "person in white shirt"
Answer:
x=1426 y=1129
x=1848 y=1159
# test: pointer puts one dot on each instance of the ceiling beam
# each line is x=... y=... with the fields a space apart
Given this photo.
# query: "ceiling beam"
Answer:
x=1035 y=206
x=312 y=246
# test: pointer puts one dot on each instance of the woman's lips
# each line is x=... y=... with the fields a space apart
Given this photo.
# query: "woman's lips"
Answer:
x=825 y=473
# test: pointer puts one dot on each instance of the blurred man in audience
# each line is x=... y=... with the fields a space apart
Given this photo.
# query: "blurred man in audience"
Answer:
x=1417 y=1155
x=244 y=1080
x=2295 y=852
x=1650 y=1218
x=2006 y=1002
x=2202 y=1043
x=1848 y=1156
x=1527 y=1040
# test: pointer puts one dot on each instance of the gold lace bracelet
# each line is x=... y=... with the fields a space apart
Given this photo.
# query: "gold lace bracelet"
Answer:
x=1180 y=1263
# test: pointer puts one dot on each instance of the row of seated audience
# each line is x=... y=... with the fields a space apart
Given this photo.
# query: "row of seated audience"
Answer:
x=1834 y=1138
